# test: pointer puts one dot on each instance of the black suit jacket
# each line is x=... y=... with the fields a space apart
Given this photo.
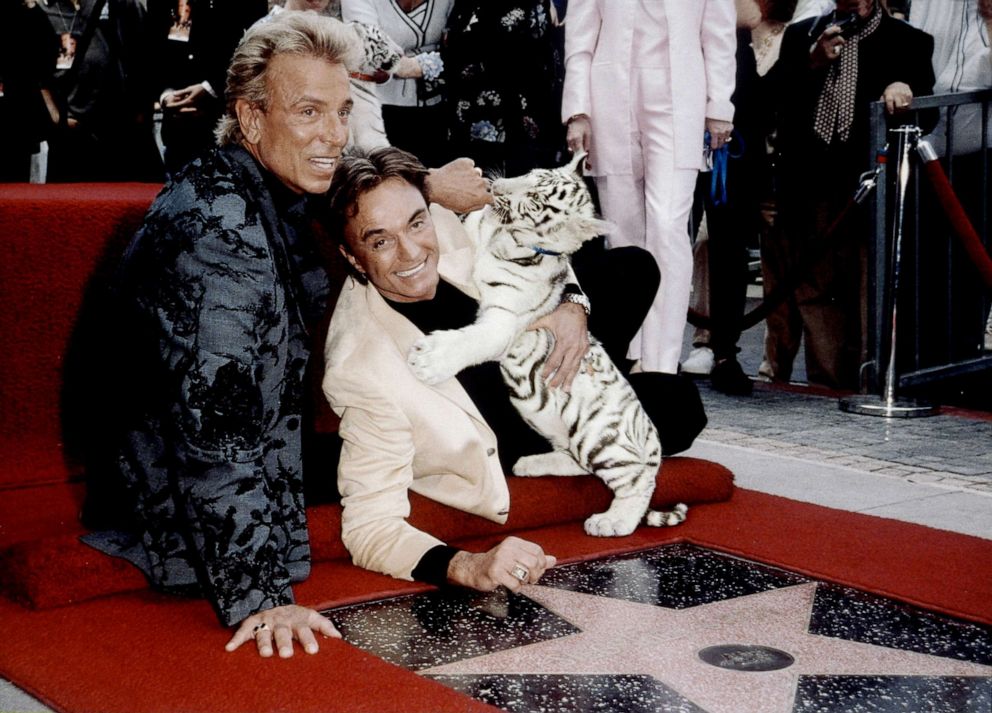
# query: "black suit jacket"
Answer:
x=895 y=52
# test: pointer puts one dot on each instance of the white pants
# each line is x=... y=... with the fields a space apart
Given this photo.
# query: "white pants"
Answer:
x=651 y=210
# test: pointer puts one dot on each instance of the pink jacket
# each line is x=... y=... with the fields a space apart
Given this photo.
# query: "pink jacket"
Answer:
x=598 y=46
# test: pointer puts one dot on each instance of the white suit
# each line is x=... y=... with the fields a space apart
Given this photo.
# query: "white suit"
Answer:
x=648 y=73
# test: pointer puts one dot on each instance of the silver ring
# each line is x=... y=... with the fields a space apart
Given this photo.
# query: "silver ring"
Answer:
x=836 y=49
x=259 y=627
x=520 y=572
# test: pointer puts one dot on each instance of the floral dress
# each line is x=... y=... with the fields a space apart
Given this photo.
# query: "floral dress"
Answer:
x=504 y=72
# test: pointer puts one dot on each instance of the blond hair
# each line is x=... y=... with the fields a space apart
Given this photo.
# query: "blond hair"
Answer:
x=301 y=34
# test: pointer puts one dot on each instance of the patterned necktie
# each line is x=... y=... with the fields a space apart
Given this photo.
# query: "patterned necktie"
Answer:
x=835 y=108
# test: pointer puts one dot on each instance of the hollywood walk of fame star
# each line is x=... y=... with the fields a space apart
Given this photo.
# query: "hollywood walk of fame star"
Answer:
x=621 y=637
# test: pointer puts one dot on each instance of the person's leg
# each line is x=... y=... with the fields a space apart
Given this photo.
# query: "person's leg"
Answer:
x=672 y=403
x=668 y=202
x=731 y=224
x=668 y=197
x=783 y=326
x=699 y=362
x=620 y=199
x=621 y=284
x=828 y=302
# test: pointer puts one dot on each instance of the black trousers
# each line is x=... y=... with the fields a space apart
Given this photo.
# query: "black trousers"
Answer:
x=621 y=284
x=730 y=225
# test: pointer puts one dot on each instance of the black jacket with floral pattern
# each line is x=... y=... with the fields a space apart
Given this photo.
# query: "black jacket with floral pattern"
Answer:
x=216 y=291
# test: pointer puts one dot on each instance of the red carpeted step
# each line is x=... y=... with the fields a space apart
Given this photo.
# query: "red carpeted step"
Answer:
x=59 y=570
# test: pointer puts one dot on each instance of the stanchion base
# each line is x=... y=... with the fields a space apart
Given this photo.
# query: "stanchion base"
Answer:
x=869 y=405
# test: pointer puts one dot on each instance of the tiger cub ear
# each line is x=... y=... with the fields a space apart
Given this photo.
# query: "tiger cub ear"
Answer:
x=588 y=228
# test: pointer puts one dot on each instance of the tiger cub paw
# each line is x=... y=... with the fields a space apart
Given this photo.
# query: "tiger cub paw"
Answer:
x=667 y=518
x=605 y=525
x=554 y=463
x=435 y=358
x=531 y=466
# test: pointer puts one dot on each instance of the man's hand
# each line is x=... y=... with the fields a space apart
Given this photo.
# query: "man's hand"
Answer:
x=512 y=563
x=279 y=626
x=458 y=186
x=719 y=132
x=578 y=135
x=189 y=101
x=828 y=48
x=569 y=326
x=897 y=97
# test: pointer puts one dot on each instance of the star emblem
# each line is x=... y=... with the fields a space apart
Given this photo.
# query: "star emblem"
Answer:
x=629 y=638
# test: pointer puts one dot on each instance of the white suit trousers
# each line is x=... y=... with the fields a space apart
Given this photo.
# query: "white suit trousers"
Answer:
x=651 y=209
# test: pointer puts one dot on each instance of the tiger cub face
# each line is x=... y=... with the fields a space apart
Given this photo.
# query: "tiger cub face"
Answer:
x=380 y=53
x=548 y=208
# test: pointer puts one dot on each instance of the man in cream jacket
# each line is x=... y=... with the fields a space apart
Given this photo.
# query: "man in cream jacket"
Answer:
x=412 y=275
x=399 y=434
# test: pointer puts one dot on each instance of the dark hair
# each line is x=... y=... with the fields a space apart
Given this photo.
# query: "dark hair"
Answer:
x=780 y=10
x=359 y=173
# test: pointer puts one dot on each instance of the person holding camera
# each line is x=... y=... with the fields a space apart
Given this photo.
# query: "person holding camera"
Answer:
x=830 y=70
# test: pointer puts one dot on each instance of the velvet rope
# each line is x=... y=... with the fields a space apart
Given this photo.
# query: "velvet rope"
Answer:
x=784 y=289
x=958 y=219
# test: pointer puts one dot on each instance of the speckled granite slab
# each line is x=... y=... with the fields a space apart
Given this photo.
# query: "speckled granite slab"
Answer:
x=681 y=628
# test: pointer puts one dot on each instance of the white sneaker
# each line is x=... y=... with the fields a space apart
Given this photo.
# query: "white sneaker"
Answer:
x=699 y=362
x=765 y=372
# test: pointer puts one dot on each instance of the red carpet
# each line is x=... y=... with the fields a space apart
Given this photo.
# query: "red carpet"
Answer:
x=140 y=651
x=52 y=570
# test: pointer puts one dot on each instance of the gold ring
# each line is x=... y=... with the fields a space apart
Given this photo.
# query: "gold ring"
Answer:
x=520 y=572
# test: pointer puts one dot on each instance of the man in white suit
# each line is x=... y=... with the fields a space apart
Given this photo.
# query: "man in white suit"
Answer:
x=644 y=79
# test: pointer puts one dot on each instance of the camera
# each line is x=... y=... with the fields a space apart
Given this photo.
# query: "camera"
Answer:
x=848 y=22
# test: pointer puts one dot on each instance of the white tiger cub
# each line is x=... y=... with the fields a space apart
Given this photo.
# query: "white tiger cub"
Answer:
x=524 y=240
x=380 y=56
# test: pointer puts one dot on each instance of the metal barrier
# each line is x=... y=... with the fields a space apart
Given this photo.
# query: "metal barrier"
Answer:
x=945 y=304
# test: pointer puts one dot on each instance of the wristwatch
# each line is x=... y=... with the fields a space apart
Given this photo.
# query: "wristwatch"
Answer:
x=577 y=298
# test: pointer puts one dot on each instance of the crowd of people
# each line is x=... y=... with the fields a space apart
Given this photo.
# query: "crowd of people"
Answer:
x=223 y=289
x=516 y=84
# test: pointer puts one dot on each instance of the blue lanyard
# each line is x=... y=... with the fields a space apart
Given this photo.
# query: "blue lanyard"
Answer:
x=721 y=161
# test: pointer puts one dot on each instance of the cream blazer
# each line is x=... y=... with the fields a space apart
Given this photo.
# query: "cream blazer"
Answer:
x=702 y=41
x=400 y=434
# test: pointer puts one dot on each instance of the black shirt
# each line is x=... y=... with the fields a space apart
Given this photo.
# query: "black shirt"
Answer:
x=453 y=309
